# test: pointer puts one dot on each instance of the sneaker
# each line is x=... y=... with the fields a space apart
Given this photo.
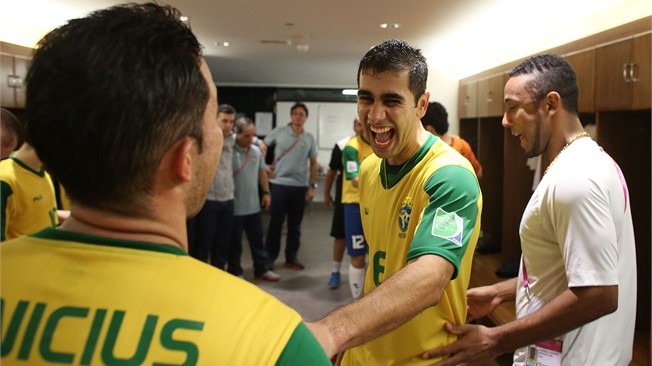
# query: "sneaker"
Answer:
x=334 y=282
x=295 y=265
x=270 y=276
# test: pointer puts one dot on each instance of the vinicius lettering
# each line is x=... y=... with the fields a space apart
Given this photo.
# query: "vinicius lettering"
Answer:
x=38 y=328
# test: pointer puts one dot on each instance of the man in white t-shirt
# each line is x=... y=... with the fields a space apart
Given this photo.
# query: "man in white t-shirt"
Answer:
x=576 y=290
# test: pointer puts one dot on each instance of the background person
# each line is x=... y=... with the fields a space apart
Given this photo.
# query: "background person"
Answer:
x=292 y=184
x=355 y=151
x=11 y=133
x=27 y=197
x=249 y=174
x=435 y=121
x=133 y=174
x=214 y=222
x=334 y=175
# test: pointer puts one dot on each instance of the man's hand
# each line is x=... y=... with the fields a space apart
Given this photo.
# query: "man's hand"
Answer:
x=310 y=193
x=328 y=199
x=265 y=201
x=476 y=345
x=481 y=301
x=270 y=172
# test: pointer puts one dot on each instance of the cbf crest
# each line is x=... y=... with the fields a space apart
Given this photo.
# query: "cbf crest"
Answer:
x=404 y=214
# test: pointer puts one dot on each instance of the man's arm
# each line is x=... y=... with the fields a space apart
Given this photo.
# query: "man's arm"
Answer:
x=414 y=288
x=313 y=178
x=264 y=184
x=328 y=185
x=476 y=345
x=351 y=165
x=481 y=301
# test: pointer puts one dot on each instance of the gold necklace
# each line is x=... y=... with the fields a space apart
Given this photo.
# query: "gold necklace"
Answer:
x=577 y=136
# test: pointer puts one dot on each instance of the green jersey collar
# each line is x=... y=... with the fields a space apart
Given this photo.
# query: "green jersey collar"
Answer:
x=63 y=235
x=389 y=179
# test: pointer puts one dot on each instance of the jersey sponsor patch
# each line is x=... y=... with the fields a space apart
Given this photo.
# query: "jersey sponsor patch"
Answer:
x=351 y=167
x=448 y=225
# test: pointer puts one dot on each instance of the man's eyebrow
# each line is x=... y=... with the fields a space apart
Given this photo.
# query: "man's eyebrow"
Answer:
x=392 y=96
x=363 y=92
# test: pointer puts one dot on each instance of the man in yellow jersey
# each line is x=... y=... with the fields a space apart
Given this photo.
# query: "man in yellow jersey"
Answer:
x=420 y=205
x=27 y=199
x=122 y=111
x=355 y=151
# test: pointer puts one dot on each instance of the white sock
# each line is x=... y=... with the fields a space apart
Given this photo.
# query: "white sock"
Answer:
x=336 y=266
x=356 y=280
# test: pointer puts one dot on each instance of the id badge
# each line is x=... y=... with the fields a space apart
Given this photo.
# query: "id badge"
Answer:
x=546 y=353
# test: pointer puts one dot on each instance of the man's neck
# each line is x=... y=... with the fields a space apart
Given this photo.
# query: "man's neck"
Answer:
x=27 y=155
x=113 y=225
x=410 y=151
x=296 y=129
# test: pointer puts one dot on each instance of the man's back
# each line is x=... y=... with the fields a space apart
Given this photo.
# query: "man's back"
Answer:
x=91 y=300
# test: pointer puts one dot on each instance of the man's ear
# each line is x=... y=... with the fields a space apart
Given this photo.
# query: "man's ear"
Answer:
x=553 y=102
x=422 y=104
x=180 y=158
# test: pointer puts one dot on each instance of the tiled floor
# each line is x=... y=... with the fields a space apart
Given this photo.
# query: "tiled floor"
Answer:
x=306 y=290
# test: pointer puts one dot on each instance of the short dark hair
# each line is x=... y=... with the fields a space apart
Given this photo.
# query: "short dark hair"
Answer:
x=242 y=123
x=299 y=105
x=13 y=124
x=225 y=108
x=396 y=56
x=108 y=94
x=550 y=73
x=437 y=117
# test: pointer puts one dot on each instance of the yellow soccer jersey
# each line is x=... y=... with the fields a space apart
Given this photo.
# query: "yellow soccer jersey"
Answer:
x=431 y=206
x=27 y=199
x=87 y=300
x=354 y=153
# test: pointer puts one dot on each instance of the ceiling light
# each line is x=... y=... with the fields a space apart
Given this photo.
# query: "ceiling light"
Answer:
x=184 y=19
x=350 y=91
x=389 y=25
x=303 y=47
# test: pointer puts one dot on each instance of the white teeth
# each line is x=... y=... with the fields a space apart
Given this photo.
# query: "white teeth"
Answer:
x=379 y=130
x=381 y=143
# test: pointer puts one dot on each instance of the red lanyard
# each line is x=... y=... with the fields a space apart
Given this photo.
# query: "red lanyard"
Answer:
x=244 y=163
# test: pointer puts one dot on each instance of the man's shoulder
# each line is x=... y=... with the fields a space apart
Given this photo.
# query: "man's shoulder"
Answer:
x=370 y=164
x=340 y=144
x=7 y=170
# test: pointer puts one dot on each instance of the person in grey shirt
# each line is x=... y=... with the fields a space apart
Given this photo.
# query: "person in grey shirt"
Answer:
x=292 y=184
x=213 y=224
x=248 y=175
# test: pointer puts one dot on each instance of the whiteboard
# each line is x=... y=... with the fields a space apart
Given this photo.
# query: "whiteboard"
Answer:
x=335 y=122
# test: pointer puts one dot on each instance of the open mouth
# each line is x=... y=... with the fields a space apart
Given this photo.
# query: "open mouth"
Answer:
x=382 y=136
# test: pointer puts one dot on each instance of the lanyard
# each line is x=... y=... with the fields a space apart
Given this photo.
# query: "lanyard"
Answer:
x=244 y=163
x=526 y=282
x=296 y=141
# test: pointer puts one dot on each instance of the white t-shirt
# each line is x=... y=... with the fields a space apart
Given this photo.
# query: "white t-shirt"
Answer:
x=577 y=231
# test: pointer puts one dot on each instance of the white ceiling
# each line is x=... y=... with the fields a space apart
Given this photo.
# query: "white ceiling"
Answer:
x=459 y=37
